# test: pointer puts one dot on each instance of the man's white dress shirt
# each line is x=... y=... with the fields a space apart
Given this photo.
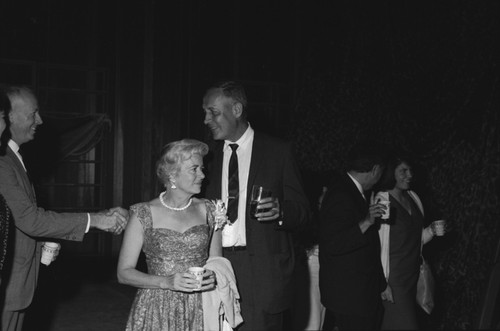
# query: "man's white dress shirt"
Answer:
x=235 y=234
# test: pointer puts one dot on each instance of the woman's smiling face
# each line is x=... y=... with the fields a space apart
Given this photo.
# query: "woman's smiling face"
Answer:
x=403 y=175
x=190 y=175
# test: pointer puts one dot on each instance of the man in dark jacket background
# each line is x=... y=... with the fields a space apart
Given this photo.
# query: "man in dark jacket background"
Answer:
x=351 y=274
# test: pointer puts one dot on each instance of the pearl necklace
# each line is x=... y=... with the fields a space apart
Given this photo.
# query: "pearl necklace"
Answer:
x=174 y=208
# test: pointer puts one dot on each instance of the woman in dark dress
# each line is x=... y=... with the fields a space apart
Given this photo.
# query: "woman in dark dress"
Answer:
x=401 y=241
x=5 y=214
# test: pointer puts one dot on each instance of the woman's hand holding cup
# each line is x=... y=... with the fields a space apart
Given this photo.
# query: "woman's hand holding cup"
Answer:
x=208 y=283
x=182 y=282
x=205 y=279
x=194 y=279
x=439 y=227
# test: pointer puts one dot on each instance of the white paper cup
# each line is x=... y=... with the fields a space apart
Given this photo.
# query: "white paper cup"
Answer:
x=48 y=251
x=387 y=210
x=439 y=227
x=383 y=199
x=198 y=272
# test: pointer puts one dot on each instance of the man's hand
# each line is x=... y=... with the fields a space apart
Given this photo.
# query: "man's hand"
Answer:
x=113 y=220
x=123 y=217
x=387 y=294
x=50 y=251
x=375 y=210
x=268 y=209
x=56 y=253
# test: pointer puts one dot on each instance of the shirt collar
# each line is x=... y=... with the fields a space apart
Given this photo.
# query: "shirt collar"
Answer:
x=244 y=139
x=14 y=146
x=358 y=185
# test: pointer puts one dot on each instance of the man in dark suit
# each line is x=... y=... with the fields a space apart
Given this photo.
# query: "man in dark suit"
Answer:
x=261 y=249
x=351 y=275
x=32 y=223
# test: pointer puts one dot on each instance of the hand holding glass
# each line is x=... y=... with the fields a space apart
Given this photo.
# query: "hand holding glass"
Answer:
x=262 y=202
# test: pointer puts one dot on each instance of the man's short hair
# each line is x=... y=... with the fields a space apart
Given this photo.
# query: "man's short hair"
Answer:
x=19 y=92
x=233 y=90
x=364 y=156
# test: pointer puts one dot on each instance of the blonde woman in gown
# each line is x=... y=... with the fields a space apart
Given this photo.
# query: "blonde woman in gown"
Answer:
x=175 y=231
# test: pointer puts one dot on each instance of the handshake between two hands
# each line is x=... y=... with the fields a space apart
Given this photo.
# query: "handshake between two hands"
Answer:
x=113 y=220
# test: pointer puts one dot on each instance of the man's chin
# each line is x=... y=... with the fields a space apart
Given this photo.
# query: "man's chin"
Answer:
x=217 y=136
x=24 y=140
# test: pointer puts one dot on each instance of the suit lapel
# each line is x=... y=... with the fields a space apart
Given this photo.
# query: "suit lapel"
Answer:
x=353 y=190
x=258 y=150
x=216 y=175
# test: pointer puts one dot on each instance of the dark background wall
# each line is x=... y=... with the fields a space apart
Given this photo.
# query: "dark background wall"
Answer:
x=422 y=77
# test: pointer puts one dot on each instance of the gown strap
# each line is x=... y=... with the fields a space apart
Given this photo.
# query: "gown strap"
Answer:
x=143 y=212
x=210 y=212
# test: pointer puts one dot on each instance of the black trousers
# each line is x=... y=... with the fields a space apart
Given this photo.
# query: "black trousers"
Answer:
x=353 y=322
x=254 y=317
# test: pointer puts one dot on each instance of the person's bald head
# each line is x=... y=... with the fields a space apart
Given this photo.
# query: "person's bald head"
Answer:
x=24 y=116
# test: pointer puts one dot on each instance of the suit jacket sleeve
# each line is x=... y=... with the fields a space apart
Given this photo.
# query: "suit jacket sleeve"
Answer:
x=295 y=205
x=32 y=220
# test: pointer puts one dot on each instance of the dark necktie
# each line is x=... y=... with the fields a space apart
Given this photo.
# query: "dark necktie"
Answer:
x=233 y=186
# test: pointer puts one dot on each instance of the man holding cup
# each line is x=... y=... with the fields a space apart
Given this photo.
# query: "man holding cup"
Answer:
x=31 y=222
x=351 y=277
x=50 y=250
x=260 y=249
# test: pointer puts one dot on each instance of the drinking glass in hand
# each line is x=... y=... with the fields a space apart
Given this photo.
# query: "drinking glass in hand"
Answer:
x=258 y=193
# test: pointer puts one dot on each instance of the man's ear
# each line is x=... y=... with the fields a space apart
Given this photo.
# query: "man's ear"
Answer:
x=374 y=169
x=237 y=109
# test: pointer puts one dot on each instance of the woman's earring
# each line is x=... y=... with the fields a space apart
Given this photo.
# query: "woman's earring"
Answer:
x=172 y=185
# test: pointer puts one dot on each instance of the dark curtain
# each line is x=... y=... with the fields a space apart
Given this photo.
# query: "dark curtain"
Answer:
x=63 y=136
x=76 y=134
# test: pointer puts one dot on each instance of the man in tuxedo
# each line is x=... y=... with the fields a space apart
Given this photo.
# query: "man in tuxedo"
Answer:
x=32 y=223
x=351 y=275
x=260 y=249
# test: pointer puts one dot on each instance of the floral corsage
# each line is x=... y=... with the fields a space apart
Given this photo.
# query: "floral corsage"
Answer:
x=220 y=217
